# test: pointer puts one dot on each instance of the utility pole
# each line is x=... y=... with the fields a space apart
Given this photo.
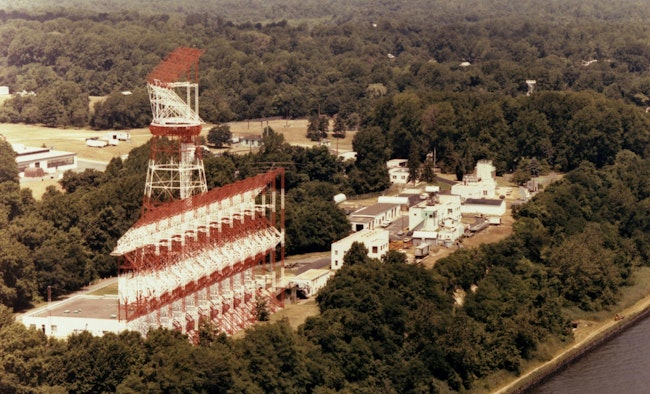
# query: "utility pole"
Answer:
x=49 y=309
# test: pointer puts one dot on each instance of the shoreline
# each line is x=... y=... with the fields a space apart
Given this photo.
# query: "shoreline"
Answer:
x=604 y=332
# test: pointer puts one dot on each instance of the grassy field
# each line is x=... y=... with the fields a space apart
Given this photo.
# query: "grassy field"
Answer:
x=106 y=290
x=74 y=140
x=294 y=131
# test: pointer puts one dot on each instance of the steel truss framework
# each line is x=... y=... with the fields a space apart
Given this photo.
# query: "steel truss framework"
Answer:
x=194 y=259
x=175 y=168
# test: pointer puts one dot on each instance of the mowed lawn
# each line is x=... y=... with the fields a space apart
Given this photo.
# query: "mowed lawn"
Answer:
x=74 y=140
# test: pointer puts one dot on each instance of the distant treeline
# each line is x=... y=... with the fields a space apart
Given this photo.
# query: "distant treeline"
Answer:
x=336 y=11
x=402 y=79
x=254 y=69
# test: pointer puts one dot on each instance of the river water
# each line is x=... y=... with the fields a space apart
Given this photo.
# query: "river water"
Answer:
x=621 y=365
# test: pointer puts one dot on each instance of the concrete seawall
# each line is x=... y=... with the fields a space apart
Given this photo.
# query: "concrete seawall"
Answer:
x=573 y=354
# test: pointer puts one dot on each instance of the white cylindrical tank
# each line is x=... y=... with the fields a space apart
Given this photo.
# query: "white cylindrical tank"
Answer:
x=393 y=200
x=339 y=198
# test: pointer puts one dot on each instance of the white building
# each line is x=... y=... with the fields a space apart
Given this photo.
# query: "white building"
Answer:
x=310 y=281
x=397 y=163
x=374 y=216
x=376 y=241
x=94 y=314
x=398 y=172
x=398 y=175
x=480 y=184
x=437 y=220
x=490 y=207
x=46 y=159
x=251 y=141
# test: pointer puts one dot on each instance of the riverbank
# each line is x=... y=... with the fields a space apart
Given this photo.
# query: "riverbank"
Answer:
x=600 y=333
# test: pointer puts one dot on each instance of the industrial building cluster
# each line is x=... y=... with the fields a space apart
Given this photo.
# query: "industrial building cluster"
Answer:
x=425 y=218
x=209 y=257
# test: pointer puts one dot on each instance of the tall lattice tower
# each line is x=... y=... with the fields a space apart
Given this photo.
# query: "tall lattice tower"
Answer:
x=175 y=168
x=200 y=256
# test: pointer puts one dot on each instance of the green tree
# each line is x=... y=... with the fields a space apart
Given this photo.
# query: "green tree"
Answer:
x=317 y=127
x=17 y=273
x=338 y=130
x=313 y=221
x=71 y=180
x=414 y=165
x=8 y=166
x=62 y=104
x=428 y=170
x=357 y=254
x=219 y=135
x=372 y=153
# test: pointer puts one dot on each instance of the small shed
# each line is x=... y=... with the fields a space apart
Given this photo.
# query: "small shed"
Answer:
x=252 y=141
x=310 y=282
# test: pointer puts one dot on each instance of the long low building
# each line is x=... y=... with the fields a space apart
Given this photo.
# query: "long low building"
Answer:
x=484 y=206
x=374 y=216
x=94 y=314
x=310 y=281
x=43 y=160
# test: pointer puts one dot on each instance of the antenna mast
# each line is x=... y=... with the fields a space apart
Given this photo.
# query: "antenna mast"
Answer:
x=175 y=169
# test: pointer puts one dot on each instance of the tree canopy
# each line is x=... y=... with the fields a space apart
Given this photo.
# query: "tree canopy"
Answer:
x=411 y=83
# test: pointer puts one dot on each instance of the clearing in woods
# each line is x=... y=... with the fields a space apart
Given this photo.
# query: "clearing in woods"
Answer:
x=74 y=140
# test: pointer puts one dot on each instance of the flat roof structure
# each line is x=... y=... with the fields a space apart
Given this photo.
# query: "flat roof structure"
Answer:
x=484 y=201
x=312 y=274
x=87 y=306
x=95 y=314
x=376 y=241
x=374 y=210
x=23 y=150
x=362 y=219
x=38 y=156
x=360 y=236
x=49 y=160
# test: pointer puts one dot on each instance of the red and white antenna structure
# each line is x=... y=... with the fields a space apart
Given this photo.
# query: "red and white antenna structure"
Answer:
x=175 y=168
x=195 y=255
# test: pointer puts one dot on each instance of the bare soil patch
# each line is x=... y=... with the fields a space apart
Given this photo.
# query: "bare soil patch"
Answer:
x=297 y=312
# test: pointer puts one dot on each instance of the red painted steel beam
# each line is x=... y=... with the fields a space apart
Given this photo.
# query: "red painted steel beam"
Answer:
x=178 y=207
x=146 y=258
x=178 y=63
x=145 y=306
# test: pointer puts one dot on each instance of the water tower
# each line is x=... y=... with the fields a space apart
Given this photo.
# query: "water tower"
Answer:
x=531 y=86
x=175 y=169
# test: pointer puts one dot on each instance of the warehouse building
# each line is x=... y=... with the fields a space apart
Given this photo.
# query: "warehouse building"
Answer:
x=374 y=216
x=38 y=161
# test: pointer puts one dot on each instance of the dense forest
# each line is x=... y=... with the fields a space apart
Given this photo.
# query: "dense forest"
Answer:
x=384 y=326
x=357 y=71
